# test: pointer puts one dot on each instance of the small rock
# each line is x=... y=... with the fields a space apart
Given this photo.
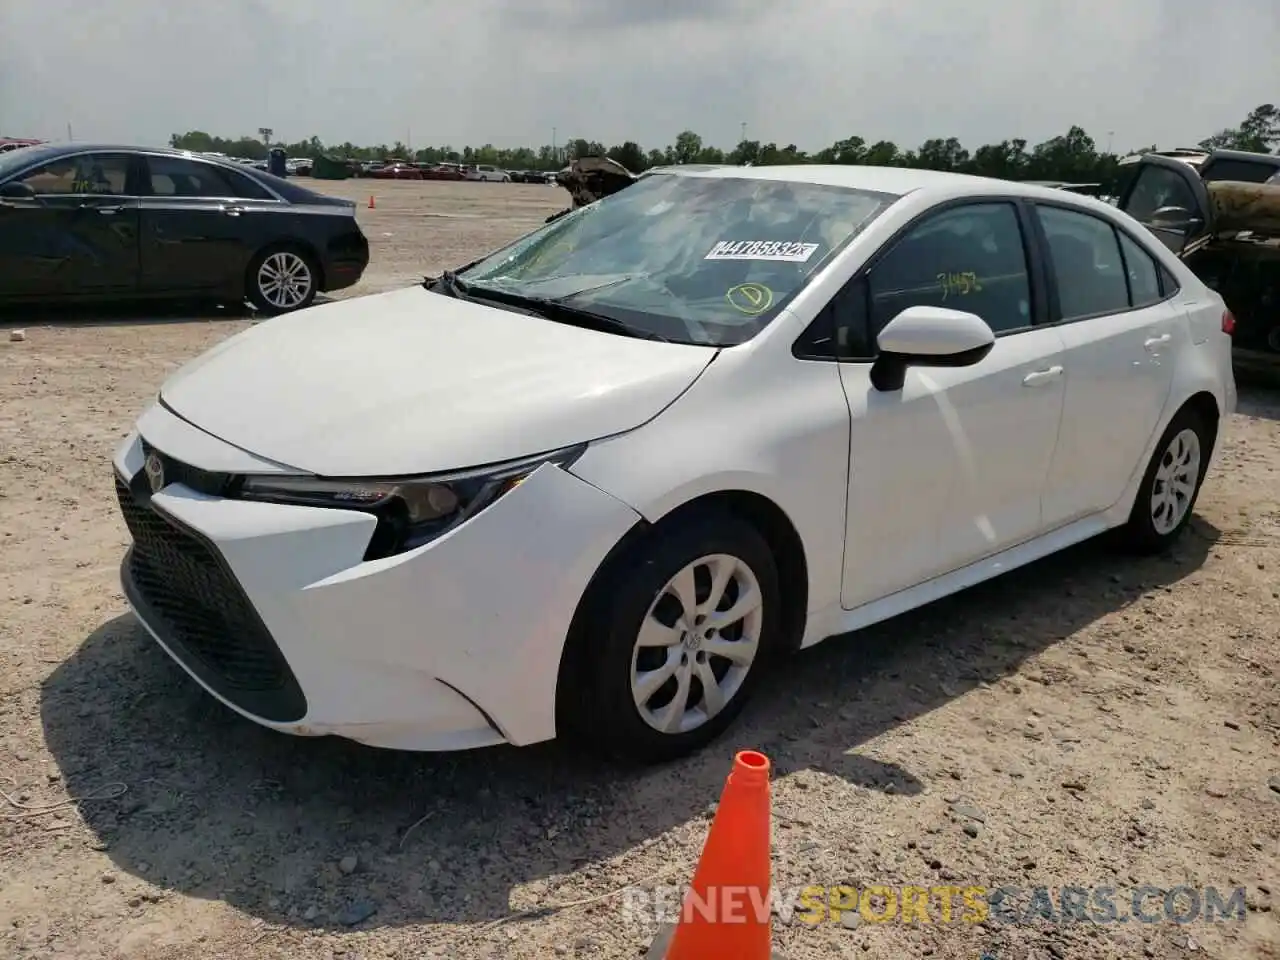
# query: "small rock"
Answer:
x=134 y=901
x=108 y=877
x=1231 y=724
x=311 y=912
x=17 y=336
x=850 y=920
x=972 y=830
x=969 y=811
x=1216 y=792
x=1075 y=786
x=1148 y=804
x=348 y=864
x=1274 y=784
x=357 y=912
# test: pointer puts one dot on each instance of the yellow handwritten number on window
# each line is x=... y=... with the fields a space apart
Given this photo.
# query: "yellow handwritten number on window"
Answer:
x=959 y=284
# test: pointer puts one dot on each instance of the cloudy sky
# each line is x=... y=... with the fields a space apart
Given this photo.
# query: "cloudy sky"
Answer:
x=509 y=71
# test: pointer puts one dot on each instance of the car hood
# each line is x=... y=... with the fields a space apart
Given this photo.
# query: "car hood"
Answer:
x=415 y=382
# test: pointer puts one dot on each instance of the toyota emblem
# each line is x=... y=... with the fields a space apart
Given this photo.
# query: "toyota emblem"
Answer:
x=154 y=467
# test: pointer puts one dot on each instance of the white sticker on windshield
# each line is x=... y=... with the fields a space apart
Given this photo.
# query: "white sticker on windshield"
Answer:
x=762 y=250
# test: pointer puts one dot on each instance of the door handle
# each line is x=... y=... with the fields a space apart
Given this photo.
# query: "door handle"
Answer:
x=1156 y=342
x=1041 y=377
x=103 y=211
x=231 y=210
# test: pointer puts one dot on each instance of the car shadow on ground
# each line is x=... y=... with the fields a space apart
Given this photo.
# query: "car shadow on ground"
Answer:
x=219 y=808
x=127 y=313
x=1258 y=399
x=120 y=314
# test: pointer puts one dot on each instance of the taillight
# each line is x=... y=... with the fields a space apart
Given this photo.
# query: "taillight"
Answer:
x=1228 y=323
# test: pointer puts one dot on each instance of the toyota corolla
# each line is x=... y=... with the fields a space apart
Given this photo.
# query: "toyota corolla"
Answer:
x=590 y=485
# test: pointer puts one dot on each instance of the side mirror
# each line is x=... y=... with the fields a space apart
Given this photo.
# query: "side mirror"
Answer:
x=17 y=191
x=928 y=337
x=1174 y=217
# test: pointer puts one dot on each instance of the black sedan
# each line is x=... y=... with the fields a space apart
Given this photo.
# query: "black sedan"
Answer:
x=103 y=222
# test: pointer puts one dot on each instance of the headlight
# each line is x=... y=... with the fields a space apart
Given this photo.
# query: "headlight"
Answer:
x=411 y=511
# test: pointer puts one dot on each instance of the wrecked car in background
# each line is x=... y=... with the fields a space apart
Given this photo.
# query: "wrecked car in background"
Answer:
x=590 y=178
x=1220 y=212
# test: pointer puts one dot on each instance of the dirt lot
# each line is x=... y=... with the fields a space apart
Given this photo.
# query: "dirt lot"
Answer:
x=1090 y=721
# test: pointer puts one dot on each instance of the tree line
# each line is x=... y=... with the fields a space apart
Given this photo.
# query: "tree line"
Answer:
x=1073 y=157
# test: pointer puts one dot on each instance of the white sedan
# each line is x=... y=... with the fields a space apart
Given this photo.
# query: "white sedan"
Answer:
x=590 y=485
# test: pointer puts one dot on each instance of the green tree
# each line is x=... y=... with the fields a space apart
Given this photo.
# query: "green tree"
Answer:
x=688 y=146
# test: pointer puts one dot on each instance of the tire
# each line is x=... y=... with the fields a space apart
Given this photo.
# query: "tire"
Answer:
x=1160 y=512
x=600 y=708
x=275 y=300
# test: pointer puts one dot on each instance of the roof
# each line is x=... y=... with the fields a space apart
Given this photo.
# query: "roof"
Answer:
x=896 y=181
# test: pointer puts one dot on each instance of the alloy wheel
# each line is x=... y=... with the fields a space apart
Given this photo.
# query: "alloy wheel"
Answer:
x=1175 y=481
x=285 y=280
x=697 y=643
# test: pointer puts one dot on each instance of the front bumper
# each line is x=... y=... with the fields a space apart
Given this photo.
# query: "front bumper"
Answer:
x=272 y=609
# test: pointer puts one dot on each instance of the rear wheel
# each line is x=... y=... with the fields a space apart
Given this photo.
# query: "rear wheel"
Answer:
x=282 y=279
x=674 y=640
x=1171 y=484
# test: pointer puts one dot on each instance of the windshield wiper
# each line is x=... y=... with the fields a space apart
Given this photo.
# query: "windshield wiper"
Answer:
x=447 y=283
x=559 y=306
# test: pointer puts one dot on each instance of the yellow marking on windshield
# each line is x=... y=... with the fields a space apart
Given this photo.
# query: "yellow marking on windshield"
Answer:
x=752 y=299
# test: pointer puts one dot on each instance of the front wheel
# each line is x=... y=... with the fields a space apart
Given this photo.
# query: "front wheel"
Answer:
x=1171 y=484
x=282 y=280
x=674 y=640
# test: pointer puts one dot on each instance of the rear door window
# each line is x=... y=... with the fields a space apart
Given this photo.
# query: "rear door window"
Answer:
x=180 y=177
x=1243 y=171
x=1086 y=263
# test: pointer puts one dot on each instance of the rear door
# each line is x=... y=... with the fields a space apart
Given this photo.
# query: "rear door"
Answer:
x=200 y=225
x=75 y=232
x=1122 y=330
x=1168 y=197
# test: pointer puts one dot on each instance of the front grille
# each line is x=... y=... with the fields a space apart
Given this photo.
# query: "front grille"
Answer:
x=184 y=590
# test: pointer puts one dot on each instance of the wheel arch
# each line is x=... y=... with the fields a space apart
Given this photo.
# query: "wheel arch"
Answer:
x=768 y=519
x=1205 y=405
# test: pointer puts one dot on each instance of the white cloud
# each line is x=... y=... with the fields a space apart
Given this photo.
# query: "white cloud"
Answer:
x=508 y=71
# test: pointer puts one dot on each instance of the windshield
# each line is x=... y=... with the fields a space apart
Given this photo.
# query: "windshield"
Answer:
x=691 y=259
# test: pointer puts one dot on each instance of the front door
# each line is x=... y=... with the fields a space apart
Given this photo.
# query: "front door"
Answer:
x=950 y=469
x=70 y=228
x=1122 y=331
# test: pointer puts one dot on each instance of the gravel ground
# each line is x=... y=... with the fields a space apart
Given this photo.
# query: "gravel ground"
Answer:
x=1090 y=721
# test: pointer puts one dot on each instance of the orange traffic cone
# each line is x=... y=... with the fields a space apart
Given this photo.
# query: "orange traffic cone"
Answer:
x=727 y=914
x=372 y=205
